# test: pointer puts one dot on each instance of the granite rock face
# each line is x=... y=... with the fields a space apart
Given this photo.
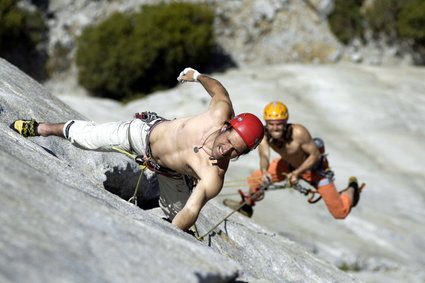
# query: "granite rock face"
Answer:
x=59 y=223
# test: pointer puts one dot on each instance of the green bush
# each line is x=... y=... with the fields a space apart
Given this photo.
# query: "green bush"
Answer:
x=12 y=24
x=382 y=16
x=20 y=33
x=412 y=21
x=399 y=20
x=346 y=20
x=128 y=55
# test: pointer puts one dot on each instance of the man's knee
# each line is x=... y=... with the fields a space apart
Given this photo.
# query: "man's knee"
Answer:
x=343 y=211
x=338 y=205
x=339 y=213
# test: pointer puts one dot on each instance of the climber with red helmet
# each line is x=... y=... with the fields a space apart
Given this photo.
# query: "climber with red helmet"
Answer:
x=301 y=157
x=190 y=155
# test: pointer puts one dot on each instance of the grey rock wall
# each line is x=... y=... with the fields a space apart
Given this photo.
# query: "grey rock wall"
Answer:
x=272 y=32
x=59 y=224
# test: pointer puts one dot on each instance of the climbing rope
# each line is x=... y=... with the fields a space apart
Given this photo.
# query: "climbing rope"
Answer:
x=263 y=188
x=200 y=238
x=267 y=186
x=142 y=165
x=243 y=182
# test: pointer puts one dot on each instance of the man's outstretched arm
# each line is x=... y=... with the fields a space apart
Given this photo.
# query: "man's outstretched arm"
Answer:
x=190 y=212
x=220 y=97
x=264 y=153
x=205 y=190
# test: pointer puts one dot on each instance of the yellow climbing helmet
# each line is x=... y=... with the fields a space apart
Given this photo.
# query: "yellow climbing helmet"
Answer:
x=276 y=111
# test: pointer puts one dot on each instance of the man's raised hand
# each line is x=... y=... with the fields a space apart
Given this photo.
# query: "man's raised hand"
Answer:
x=188 y=75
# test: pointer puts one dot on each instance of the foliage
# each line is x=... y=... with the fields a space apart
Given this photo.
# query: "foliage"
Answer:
x=346 y=20
x=399 y=20
x=412 y=21
x=126 y=55
x=395 y=19
x=350 y=267
x=383 y=16
x=18 y=26
x=20 y=33
x=11 y=21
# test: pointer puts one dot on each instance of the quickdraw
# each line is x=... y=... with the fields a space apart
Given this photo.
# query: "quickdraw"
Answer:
x=305 y=191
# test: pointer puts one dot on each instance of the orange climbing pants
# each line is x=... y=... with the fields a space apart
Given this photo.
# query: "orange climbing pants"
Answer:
x=339 y=205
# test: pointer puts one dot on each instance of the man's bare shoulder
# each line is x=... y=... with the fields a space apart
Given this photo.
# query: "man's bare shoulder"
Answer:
x=299 y=131
x=207 y=118
x=221 y=114
x=211 y=168
x=211 y=176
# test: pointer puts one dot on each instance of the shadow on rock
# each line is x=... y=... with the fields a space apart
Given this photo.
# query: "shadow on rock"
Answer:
x=124 y=183
x=215 y=278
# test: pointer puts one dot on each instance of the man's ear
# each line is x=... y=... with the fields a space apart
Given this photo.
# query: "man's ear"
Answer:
x=224 y=128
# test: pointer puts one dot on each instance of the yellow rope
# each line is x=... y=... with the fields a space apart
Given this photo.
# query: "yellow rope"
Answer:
x=125 y=152
x=133 y=199
x=235 y=185
x=142 y=167
x=244 y=181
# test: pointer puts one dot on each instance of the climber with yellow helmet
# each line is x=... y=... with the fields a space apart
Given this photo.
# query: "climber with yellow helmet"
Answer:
x=190 y=155
x=301 y=157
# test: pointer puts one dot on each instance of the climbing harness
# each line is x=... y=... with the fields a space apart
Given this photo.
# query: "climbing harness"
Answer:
x=142 y=161
x=305 y=191
x=146 y=162
x=146 y=116
x=154 y=120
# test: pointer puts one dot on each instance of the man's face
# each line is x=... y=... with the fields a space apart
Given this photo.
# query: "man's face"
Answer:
x=276 y=128
x=228 y=145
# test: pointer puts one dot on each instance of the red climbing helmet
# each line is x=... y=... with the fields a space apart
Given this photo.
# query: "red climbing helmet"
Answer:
x=250 y=128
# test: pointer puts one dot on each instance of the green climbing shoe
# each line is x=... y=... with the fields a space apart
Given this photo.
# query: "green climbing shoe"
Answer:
x=26 y=128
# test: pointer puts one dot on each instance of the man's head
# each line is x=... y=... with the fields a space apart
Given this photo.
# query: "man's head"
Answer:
x=239 y=136
x=276 y=116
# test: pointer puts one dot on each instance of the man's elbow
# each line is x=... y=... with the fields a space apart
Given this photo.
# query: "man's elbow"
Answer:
x=317 y=158
x=186 y=218
x=315 y=155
